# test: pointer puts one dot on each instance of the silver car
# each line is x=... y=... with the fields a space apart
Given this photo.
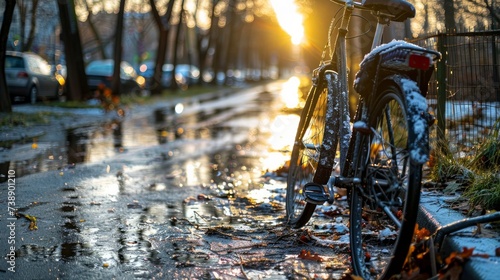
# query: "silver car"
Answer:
x=29 y=77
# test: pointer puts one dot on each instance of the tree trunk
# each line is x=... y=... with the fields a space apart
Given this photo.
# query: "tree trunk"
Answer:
x=117 y=54
x=173 y=82
x=231 y=44
x=31 y=36
x=5 y=103
x=98 y=38
x=212 y=42
x=22 y=24
x=449 y=15
x=77 y=83
x=163 y=24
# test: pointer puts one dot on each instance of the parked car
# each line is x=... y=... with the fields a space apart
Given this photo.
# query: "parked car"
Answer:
x=100 y=72
x=29 y=77
x=185 y=74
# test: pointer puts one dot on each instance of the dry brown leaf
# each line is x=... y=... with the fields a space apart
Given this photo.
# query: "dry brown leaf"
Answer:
x=307 y=255
x=422 y=233
x=454 y=264
x=464 y=255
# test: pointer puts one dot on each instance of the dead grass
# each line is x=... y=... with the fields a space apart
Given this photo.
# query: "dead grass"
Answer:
x=478 y=176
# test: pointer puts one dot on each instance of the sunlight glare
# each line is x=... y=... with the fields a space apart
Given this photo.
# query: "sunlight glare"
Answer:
x=179 y=108
x=283 y=128
x=290 y=19
x=274 y=160
x=290 y=92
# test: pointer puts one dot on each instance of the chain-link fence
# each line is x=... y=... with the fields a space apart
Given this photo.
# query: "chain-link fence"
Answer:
x=465 y=91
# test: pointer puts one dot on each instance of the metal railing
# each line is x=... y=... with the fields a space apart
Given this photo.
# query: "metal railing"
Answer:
x=464 y=94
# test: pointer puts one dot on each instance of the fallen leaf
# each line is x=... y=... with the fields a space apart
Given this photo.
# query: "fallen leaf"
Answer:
x=32 y=219
x=368 y=256
x=307 y=255
x=465 y=254
x=454 y=264
x=305 y=238
x=422 y=233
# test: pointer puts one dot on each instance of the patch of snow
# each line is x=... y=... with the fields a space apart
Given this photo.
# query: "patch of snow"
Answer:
x=416 y=106
x=385 y=48
x=386 y=233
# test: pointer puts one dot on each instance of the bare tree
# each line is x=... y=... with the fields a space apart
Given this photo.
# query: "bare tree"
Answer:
x=163 y=24
x=5 y=103
x=117 y=54
x=205 y=38
x=177 y=46
x=77 y=81
x=492 y=8
x=93 y=28
x=449 y=15
x=27 y=7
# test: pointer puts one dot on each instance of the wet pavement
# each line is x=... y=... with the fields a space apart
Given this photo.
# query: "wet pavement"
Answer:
x=187 y=189
x=183 y=189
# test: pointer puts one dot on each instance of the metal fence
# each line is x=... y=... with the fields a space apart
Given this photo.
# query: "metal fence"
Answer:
x=464 y=94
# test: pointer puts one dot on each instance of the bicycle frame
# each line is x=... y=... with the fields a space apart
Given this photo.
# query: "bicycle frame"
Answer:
x=338 y=81
x=333 y=73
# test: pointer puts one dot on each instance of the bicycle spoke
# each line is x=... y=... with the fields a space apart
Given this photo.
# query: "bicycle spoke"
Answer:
x=381 y=203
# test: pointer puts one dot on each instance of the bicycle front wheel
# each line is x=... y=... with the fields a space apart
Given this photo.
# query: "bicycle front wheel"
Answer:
x=312 y=156
x=384 y=206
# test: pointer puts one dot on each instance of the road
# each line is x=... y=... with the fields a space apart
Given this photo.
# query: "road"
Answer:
x=190 y=190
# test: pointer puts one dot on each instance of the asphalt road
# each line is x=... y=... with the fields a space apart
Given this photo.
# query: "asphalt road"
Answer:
x=189 y=189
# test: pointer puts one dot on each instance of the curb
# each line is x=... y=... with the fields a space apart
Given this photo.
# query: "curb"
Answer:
x=434 y=213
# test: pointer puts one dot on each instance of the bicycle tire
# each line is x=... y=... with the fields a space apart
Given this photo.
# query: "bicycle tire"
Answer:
x=378 y=245
x=313 y=154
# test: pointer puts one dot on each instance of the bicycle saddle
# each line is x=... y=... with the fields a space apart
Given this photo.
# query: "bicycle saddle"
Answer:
x=400 y=10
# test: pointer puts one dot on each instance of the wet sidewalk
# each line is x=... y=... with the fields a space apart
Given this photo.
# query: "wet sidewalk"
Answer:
x=435 y=212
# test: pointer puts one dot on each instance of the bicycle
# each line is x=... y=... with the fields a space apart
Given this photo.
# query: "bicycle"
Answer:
x=381 y=151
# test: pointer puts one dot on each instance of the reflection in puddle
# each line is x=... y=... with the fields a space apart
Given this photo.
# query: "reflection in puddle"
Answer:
x=290 y=93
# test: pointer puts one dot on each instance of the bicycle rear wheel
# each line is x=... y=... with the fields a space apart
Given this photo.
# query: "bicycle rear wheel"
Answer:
x=312 y=156
x=384 y=206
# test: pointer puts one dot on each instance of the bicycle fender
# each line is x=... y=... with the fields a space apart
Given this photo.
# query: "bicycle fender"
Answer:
x=417 y=115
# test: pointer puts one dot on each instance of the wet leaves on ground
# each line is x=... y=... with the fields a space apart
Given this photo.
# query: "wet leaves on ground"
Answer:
x=32 y=219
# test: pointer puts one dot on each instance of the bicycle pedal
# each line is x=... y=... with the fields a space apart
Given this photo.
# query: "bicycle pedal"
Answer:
x=315 y=193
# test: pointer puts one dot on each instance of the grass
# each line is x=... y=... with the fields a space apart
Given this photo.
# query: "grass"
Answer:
x=22 y=119
x=478 y=176
x=485 y=191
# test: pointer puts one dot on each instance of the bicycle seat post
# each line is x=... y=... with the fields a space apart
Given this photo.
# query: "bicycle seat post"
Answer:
x=382 y=22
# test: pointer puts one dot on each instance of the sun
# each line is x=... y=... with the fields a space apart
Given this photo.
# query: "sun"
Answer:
x=289 y=19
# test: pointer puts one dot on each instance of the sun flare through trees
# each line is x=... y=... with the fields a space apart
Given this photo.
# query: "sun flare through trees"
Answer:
x=289 y=19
